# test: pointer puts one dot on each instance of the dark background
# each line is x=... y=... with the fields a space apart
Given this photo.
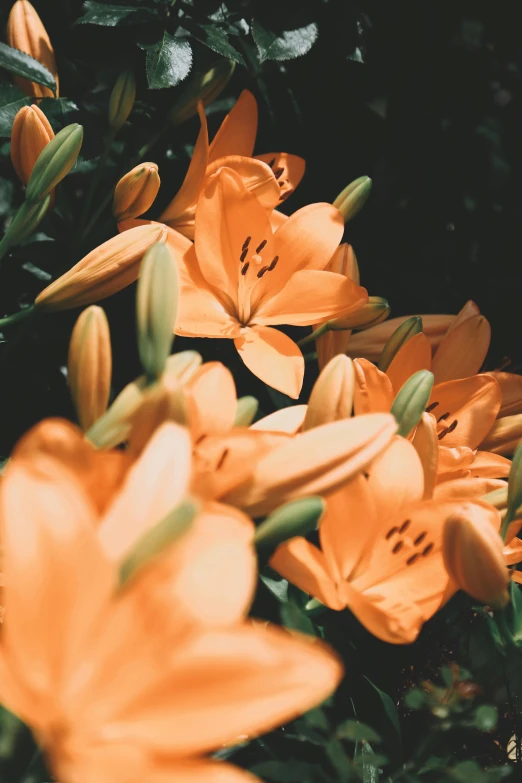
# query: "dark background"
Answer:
x=432 y=114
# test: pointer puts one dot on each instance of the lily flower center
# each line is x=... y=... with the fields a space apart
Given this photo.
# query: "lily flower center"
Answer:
x=443 y=426
x=253 y=267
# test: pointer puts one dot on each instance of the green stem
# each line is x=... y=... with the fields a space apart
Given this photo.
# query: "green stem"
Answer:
x=5 y=246
x=503 y=627
x=323 y=329
x=16 y=317
x=508 y=519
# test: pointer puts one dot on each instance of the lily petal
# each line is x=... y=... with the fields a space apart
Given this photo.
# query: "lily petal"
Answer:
x=237 y=133
x=369 y=343
x=212 y=381
x=467 y=488
x=487 y=465
x=511 y=388
x=462 y=351
x=273 y=357
x=504 y=436
x=414 y=355
x=305 y=566
x=290 y=170
x=288 y=419
x=472 y=402
x=427 y=447
x=258 y=178
x=373 y=392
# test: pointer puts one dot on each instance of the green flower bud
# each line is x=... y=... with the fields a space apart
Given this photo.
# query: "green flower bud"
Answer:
x=54 y=162
x=296 y=518
x=246 y=411
x=156 y=308
x=26 y=220
x=202 y=86
x=401 y=335
x=411 y=401
x=121 y=100
x=372 y=313
x=352 y=199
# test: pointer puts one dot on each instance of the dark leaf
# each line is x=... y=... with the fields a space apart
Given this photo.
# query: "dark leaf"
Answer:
x=485 y=718
x=22 y=64
x=7 y=114
x=169 y=61
x=355 y=731
x=390 y=724
x=57 y=109
x=217 y=40
x=285 y=45
x=292 y=617
x=114 y=15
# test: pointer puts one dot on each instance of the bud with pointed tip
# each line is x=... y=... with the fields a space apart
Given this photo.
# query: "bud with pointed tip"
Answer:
x=473 y=556
x=296 y=518
x=90 y=365
x=401 y=335
x=26 y=220
x=246 y=410
x=54 y=162
x=202 y=86
x=352 y=199
x=122 y=100
x=26 y=33
x=136 y=191
x=370 y=314
x=31 y=132
x=411 y=400
x=332 y=396
x=104 y=271
x=156 y=308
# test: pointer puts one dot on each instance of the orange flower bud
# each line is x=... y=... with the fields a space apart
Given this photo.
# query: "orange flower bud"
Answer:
x=104 y=271
x=343 y=262
x=30 y=134
x=473 y=555
x=332 y=396
x=90 y=365
x=136 y=191
x=26 y=32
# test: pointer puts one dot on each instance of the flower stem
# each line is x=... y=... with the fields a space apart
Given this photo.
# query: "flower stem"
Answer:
x=95 y=181
x=16 y=317
x=323 y=329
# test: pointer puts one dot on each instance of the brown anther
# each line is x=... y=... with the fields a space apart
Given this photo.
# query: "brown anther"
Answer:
x=262 y=271
x=222 y=459
x=443 y=417
x=431 y=407
x=420 y=539
x=452 y=426
x=243 y=255
x=391 y=532
x=405 y=525
x=246 y=243
x=284 y=196
x=278 y=172
x=427 y=550
x=273 y=264
x=272 y=162
x=245 y=268
x=397 y=548
x=261 y=246
x=411 y=560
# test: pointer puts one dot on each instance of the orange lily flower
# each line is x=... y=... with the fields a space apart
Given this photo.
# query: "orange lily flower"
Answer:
x=381 y=548
x=239 y=279
x=153 y=706
x=272 y=177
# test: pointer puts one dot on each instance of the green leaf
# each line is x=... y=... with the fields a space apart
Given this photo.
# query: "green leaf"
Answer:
x=56 y=109
x=485 y=718
x=24 y=65
x=217 y=40
x=114 y=15
x=390 y=725
x=415 y=699
x=467 y=771
x=292 y=617
x=278 y=587
x=7 y=114
x=370 y=763
x=355 y=731
x=290 y=771
x=285 y=45
x=169 y=61
x=339 y=760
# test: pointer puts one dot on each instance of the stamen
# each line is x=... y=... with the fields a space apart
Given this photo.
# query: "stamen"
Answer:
x=243 y=255
x=431 y=407
x=273 y=264
x=420 y=539
x=405 y=525
x=284 y=196
x=412 y=559
x=278 y=172
x=391 y=532
x=272 y=162
x=452 y=427
x=246 y=243
x=262 y=271
x=427 y=550
x=261 y=246
x=257 y=259
x=444 y=417
x=222 y=459
x=245 y=268
x=397 y=548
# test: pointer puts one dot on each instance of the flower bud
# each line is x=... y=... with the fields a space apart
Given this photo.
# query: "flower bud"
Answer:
x=473 y=556
x=104 y=271
x=26 y=220
x=121 y=100
x=332 y=396
x=26 y=33
x=370 y=314
x=160 y=402
x=400 y=336
x=202 y=86
x=246 y=410
x=90 y=365
x=296 y=518
x=136 y=191
x=54 y=162
x=353 y=198
x=411 y=401
x=30 y=134
x=156 y=308
x=343 y=262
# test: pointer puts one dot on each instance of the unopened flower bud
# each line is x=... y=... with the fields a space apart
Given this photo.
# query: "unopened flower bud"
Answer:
x=353 y=198
x=401 y=335
x=344 y=262
x=54 y=162
x=246 y=410
x=296 y=518
x=156 y=308
x=411 y=401
x=202 y=86
x=121 y=100
x=370 y=314
x=104 y=271
x=90 y=365
x=136 y=191
x=26 y=33
x=473 y=556
x=31 y=132
x=25 y=222
x=332 y=396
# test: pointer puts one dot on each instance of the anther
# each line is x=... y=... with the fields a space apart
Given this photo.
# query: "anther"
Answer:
x=431 y=407
x=272 y=162
x=273 y=264
x=391 y=532
x=397 y=548
x=262 y=271
x=278 y=172
x=420 y=539
x=222 y=459
x=427 y=550
x=443 y=417
x=245 y=268
x=261 y=246
x=246 y=243
x=243 y=254
x=452 y=427
x=405 y=525
x=412 y=559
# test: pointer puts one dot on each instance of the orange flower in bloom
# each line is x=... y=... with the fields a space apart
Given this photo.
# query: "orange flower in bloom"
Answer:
x=240 y=279
x=112 y=699
x=30 y=134
x=26 y=32
x=380 y=552
x=272 y=177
